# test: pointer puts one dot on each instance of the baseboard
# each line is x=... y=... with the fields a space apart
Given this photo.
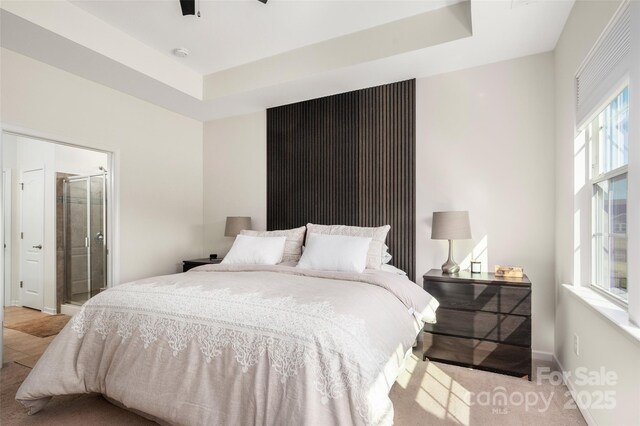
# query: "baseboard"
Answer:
x=50 y=311
x=68 y=309
x=542 y=356
x=15 y=303
x=567 y=382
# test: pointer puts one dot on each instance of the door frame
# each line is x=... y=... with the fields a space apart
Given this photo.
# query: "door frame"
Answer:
x=7 y=224
x=113 y=204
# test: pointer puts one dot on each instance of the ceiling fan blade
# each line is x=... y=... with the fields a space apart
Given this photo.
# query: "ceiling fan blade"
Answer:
x=188 y=7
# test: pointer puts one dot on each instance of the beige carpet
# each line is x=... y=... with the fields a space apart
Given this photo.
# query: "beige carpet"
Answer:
x=41 y=327
x=431 y=393
x=77 y=410
x=425 y=394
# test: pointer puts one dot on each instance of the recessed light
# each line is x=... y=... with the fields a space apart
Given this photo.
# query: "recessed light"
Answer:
x=181 y=52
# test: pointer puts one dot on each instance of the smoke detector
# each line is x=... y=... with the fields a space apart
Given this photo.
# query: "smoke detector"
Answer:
x=181 y=52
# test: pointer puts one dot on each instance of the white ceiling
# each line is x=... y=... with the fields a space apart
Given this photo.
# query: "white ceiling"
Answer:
x=235 y=32
x=282 y=52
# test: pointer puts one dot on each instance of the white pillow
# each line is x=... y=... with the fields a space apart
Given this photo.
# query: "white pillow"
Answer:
x=378 y=236
x=293 y=246
x=335 y=253
x=248 y=250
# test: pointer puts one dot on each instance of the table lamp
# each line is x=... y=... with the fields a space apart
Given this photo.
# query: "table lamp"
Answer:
x=235 y=224
x=450 y=226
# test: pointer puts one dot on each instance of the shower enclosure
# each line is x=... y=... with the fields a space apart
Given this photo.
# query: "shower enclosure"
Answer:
x=85 y=237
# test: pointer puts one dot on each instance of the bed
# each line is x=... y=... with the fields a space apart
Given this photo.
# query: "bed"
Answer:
x=240 y=344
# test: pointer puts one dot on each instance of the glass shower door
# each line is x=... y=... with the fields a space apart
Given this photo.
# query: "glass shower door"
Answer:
x=85 y=237
x=76 y=251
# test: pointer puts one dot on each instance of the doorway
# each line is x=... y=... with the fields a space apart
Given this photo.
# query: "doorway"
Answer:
x=56 y=231
x=58 y=241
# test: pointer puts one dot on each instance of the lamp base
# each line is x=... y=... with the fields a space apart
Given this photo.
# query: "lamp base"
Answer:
x=450 y=266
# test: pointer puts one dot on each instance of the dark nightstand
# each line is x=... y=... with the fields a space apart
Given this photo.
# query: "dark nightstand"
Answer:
x=188 y=264
x=484 y=322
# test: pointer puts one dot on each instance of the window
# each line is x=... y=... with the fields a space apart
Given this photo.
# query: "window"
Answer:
x=608 y=135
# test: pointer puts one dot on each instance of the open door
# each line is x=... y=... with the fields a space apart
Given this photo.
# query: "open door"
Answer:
x=32 y=237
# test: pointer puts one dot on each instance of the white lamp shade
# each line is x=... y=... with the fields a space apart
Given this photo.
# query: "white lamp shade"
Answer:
x=235 y=224
x=450 y=226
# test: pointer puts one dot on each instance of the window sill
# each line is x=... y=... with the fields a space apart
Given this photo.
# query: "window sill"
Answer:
x=613 y=313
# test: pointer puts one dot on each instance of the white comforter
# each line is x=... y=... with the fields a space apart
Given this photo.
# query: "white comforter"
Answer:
x=229 y=345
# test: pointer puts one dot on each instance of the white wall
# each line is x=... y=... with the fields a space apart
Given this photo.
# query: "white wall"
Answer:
x=485 y=144
x=235 y=176
x=602 y=343
x=158 y=154
x=484 y=137
x=81 y=162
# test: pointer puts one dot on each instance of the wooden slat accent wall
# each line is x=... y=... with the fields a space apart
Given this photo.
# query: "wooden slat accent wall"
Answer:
x=347 y=159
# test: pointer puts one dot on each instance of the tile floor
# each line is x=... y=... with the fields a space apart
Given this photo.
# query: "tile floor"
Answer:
x=21 y=347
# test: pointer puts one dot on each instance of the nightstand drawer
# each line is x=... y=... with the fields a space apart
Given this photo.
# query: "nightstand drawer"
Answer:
x=512 y=329
x=481 y=297
x=515 y=360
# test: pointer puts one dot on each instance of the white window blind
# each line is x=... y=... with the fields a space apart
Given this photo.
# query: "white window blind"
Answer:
x=605 y=66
